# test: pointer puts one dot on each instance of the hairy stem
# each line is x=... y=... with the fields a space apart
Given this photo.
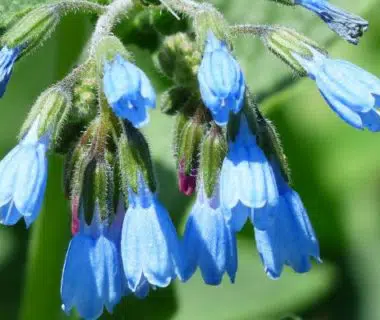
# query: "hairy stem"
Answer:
x=107 y=21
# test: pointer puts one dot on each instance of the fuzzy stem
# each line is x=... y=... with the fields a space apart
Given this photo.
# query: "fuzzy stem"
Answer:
x=107 y=21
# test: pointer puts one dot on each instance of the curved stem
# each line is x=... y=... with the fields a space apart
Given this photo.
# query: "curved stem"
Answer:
x=107 y=21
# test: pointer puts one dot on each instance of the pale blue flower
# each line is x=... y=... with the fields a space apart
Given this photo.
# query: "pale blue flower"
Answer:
x=128 y=91
x=149 y=245
x=353 y=93
x=23 y=175
x=247 y=181
x=209 y=243
x=8 y=57
x=349 y=26
x=221 y=80
x=290 y=238
x=92 y=275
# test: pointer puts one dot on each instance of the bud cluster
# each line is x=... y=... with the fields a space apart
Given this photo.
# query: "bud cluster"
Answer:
x=226 y=151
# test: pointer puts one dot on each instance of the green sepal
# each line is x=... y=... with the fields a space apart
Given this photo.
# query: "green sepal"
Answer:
x=249 y=111
x=269 y=141
x=93 y=183
x=9 y=20
x=180 y=123
x=32 y=29
x=190 y=145
x=103 y=186
x=135 y=160
x=209 y=19
x=107 y=49
x=52 y=107
x=174 y=99
x=213 y=152
x=178 y=59
x=285 y=42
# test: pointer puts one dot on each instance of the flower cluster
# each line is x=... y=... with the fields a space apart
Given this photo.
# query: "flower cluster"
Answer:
x=124 y=241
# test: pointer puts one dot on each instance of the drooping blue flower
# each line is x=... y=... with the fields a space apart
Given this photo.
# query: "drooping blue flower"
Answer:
x=209 y=243
x=353 y=93
x=143 y=288
x=23 y=175
x=290 y=238
x=92 y=275
x=150 y=248
x=221 y=80
x=247 y=181
x=128 y=91
x=349 y=26
x=8 y=57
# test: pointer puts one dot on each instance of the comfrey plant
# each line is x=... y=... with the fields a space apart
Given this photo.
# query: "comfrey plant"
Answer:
x=123 y=239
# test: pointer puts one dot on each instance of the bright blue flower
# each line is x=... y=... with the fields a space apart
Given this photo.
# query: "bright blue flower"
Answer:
x=290 y=239
x=221 y=80
x=149 y=245
x=128 y=91
x=353 y=93
x=23 y=175
x=349 y=26
x=7 y=59
x=92 y=276
x=143 y=288
x=209 y=243
x=247 y=181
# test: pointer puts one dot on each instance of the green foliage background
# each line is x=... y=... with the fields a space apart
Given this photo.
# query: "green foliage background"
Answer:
x=336 y=169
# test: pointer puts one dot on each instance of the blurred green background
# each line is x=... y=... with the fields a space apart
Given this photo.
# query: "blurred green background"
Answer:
x=335 y=168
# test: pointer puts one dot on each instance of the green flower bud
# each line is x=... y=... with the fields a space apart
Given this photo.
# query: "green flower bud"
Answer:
x=213 y=152
x=134 y=160
x=85 y=95
x=32 y=29
x=285 y=42
x=140 y=30
x=178 y=59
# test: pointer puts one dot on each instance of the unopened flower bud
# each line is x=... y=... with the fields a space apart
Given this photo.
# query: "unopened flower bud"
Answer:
x=178 y=59
x=188 y=153
x=85 y=95
x=32 y=29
